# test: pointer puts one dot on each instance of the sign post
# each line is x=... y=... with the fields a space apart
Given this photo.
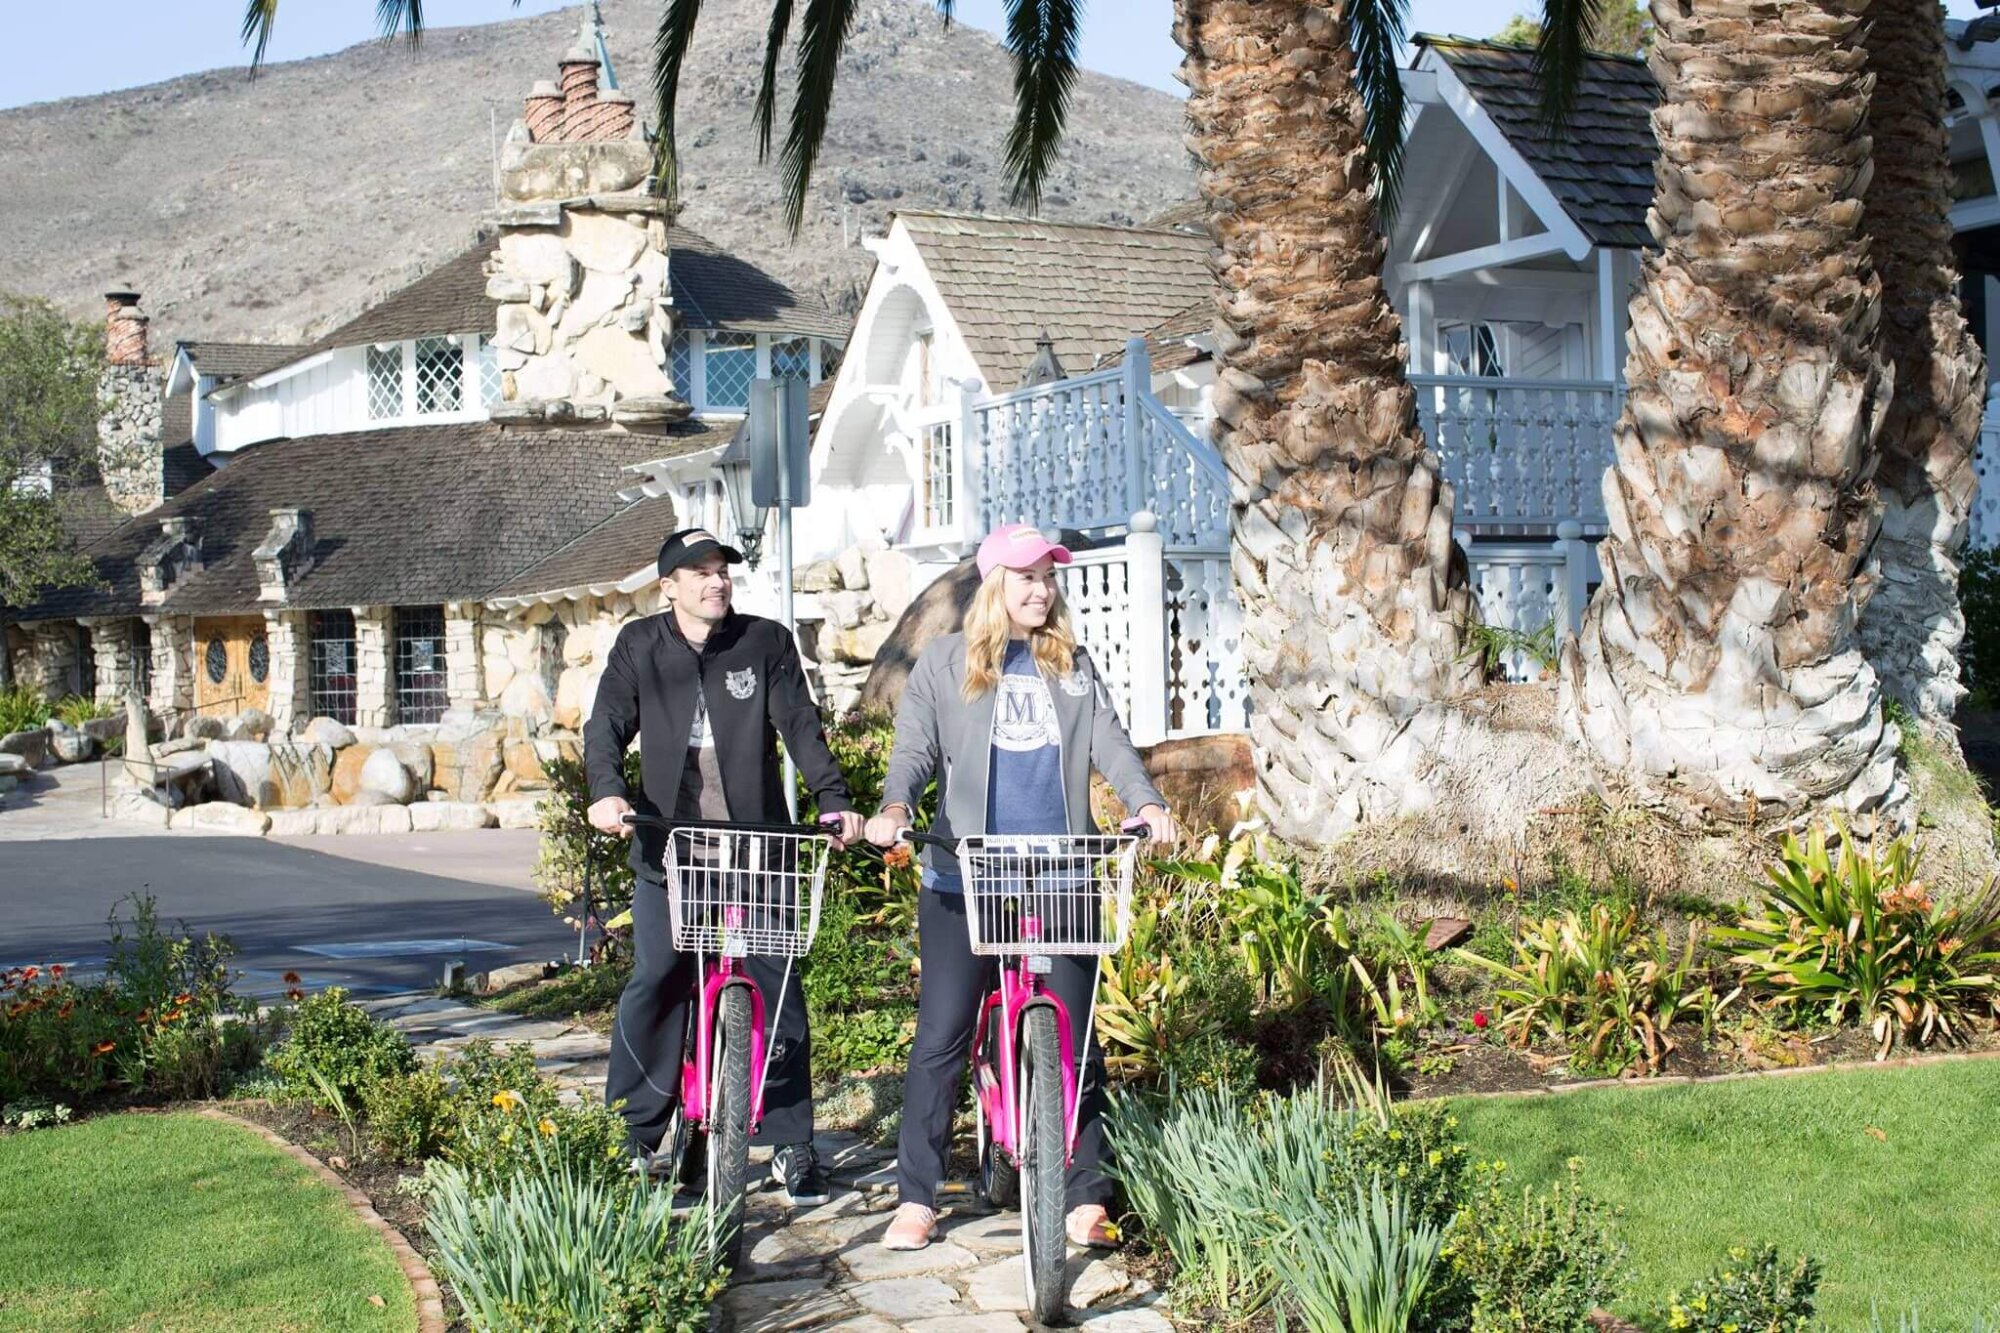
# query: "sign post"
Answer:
x=781 y=478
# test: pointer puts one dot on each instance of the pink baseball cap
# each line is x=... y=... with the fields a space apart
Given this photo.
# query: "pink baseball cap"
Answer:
x=1017 y=546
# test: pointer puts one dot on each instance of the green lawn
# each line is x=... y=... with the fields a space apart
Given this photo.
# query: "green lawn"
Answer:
x=177 y=1222
x=1890 y=1176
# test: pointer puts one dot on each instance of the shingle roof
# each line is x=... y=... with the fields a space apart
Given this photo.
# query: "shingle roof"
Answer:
x=1601 y=166
x=415 y=514
x=1169 y=343
x=627 y=541
x=235 y=361
x=1090 y=286
x=715 y=290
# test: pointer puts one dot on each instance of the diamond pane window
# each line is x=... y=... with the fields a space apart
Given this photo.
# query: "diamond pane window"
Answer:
x=385 y=382
x=732 y=365
x=440 y=374
x=792 y=360
x=682 y=353
x=331 y=635
x=489 y=372
x=421 y=695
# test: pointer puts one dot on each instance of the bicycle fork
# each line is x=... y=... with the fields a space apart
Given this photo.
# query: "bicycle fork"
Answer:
x=999 y=1084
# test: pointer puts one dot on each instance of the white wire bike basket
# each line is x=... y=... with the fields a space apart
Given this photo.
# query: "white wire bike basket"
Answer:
x=1047 y=894
x=738 y=893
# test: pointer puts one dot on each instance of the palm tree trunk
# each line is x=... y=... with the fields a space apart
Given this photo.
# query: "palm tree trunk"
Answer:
x=1719 y=661
x=1912 y=627
x=1354 y=608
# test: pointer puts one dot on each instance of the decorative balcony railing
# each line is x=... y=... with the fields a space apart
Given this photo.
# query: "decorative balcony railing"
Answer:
x=1521 y=455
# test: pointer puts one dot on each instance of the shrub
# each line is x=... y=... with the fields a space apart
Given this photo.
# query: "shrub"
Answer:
x=333 y=1051
x=411 y=1116
x=22 y=708
x=59 y=1041
x=1854 y=935
x=554 y=1250
x=859 y=996
x=510 y=1118
x=570 y=846
x=1362 y=1269
x=1752 y=1293
x=74 y=710
x=1532 y=1262
x=1600 y=986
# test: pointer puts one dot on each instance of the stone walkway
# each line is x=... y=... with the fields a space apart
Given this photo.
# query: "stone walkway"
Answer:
x=824 y=1268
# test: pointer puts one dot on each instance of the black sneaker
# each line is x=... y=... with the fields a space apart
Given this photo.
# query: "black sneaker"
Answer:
x=795 y=1168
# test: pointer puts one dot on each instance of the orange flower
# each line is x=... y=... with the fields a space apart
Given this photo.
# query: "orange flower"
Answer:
x=64 y=1012
x=29 y=974
x=183 y=999
x=57 y=970
x=291 y=978
x=295 y=994
x=171 y=1016
x=145 y=1016
x=1511 y=884
x=104 y=1048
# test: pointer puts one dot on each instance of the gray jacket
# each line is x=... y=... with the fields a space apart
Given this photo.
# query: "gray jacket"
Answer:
x=939 y=734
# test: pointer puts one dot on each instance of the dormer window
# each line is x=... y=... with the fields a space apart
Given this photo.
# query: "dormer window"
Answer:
x=422 y=378
x=385 y=382
x=732 y=366
x=440 y=376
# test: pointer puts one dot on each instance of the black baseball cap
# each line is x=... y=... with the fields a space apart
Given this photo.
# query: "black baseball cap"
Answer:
x=690 y=545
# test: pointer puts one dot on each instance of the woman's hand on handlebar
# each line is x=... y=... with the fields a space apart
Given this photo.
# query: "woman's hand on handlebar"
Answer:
x=1158 y=823
x=608 y=816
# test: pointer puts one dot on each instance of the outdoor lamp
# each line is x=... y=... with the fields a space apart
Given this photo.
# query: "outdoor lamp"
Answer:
x=744 y=511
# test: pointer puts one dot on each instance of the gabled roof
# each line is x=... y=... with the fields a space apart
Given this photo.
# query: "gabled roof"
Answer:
x=451 y=298
x=234 y=361
x=1091 y=286
x=1600 y=168
x=416 y=514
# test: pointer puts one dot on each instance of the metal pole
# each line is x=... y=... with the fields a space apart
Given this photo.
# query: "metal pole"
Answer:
x=785 y=569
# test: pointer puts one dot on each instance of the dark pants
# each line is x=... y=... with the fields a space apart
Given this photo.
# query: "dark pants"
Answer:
x=648 y=1038
x=948 y=1007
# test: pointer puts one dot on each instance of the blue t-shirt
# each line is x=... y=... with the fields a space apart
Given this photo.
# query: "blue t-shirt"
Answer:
x=1024 y=789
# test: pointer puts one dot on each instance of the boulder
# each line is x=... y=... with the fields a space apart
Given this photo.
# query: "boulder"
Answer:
x=890 y=578
x=347 y=772
x=105 y=730
x=252 y=724
x=32 y=746
x=295 y=823
x=523 y=813
x=242 y=772
x=449 y=816
x=466 y=771
x=819 y=576
x=384 y=772
x=462 y=724
x=205 y=728
x=938 y=609
x=845 y=608
x=571 y=687
x=300 y=775
x=603 y=243
x=859 y=644
x=416 y=758
x=365 y=797
x=221 y=817
x=525 y=764
x=326 y=731
x=138 y=808
x=69 y=745
x=853 y=566
x=14 y=766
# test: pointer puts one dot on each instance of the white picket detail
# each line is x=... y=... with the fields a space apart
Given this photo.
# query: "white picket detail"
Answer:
x=1522 y=455
x=1185 y=485
x=1207 y=690
x=1528 y=586
x=1097 y=586
x=1984 y=530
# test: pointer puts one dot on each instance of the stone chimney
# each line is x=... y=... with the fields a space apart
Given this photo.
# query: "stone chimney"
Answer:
x=285 y=555
x=580 y=275
x=131 y=393
x=174 y=555
x=124 y=329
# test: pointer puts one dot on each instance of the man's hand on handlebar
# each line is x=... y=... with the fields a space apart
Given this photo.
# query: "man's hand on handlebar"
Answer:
x=608 y=816
x=845 y=827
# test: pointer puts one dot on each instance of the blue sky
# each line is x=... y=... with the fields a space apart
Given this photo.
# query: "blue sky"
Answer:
x=126 y=43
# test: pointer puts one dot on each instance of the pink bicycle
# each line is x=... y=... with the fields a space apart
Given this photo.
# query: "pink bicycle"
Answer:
x=1029 y=898
x=734 y=890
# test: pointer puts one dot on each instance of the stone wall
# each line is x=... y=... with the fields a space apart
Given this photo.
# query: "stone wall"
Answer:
x=862 y=592
x=45 y=658
x=464 y=686
x=173 y=666
x=519 y=644
x=291 y=672
x=374 y=673
x=131 y=394
x=111 y=645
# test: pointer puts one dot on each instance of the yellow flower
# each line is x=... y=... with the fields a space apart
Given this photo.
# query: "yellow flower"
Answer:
x=547 y=1126
x=506 y=1099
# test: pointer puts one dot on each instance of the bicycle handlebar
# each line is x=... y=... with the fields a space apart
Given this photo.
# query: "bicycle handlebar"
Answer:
x=1130 y=826
x=661 y=822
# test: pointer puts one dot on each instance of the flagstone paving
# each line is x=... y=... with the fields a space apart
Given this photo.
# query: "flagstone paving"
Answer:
x=824 y=1267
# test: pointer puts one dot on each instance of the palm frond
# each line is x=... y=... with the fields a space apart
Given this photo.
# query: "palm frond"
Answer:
x=670 y=48
x=767 y=91
x=822 y=35
x=1375 y=31
x=394 y=16
x=1041 y=34
x=945 y=11
x=1562 y=55
x=259 y=18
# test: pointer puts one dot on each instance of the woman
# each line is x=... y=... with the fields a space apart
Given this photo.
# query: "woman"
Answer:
x=1010 y=717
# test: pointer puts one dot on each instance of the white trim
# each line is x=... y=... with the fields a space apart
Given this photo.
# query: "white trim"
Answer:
x=283 y=373
x=1533 y=191
x=1539 y=246
x=1423 y=230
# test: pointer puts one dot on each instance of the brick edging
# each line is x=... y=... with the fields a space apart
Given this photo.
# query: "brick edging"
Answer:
x=430 y=1300
x=1735 y=1076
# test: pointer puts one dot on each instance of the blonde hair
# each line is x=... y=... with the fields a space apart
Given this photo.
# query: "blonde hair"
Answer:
x=987 y=630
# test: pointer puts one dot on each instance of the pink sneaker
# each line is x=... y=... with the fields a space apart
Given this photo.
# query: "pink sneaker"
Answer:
x=912 y=1228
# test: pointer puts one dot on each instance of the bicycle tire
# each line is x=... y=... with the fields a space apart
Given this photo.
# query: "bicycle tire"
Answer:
x=728 y=1125
x=1044 y=1166
x=999 y=1178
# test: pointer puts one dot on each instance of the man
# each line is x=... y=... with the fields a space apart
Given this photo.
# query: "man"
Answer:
x=708 y=692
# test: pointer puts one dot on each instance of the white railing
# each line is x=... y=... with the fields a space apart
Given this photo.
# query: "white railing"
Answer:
x=1536 y=590
x=1070 y=455
x=1163 y=627
x=1984 y=529
x=1522 y=455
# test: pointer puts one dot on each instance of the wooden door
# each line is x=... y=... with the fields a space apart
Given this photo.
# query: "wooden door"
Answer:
x=232 y=666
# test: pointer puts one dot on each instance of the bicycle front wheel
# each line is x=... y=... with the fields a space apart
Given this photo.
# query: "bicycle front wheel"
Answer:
x=1044 y=1165
x=729 y=1124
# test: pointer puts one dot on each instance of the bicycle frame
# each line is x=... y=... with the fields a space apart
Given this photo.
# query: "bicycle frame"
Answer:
x=714 y=977
x=999 y=1091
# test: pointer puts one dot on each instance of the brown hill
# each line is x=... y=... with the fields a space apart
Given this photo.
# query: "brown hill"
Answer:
x=278 y=207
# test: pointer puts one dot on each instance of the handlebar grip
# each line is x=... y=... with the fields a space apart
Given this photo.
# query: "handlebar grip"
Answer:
x=924 y=839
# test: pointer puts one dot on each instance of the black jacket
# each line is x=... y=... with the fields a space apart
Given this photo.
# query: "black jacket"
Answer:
x=756 y=690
